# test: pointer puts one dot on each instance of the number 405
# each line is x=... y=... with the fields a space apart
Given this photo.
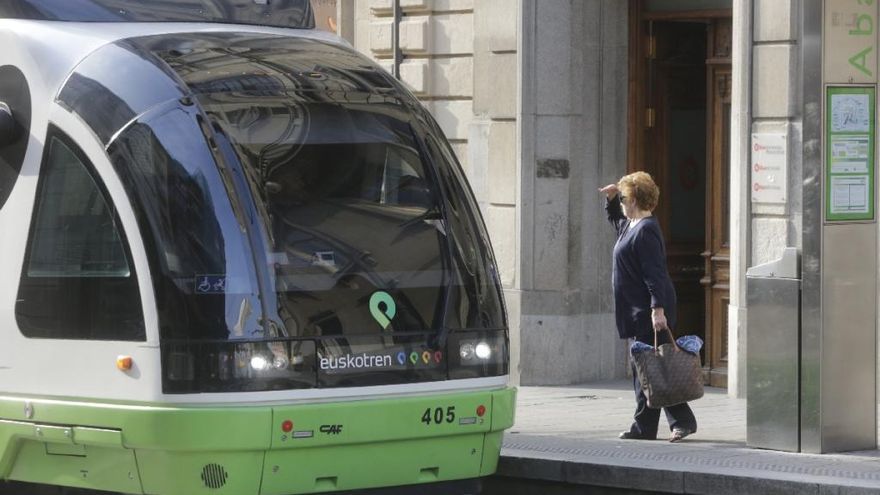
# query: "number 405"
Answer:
x=438 y=415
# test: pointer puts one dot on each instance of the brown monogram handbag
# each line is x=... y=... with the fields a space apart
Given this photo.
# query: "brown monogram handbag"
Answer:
x=668 y=374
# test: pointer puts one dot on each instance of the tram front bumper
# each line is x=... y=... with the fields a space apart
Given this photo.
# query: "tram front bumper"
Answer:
x=278 y=450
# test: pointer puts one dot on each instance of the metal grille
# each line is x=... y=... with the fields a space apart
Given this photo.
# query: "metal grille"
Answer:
x=214 y=475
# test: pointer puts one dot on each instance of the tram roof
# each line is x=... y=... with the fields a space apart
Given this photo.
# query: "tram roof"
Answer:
x=277 y=13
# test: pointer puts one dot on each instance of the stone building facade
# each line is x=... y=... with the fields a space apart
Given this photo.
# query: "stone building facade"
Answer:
x=545 y=101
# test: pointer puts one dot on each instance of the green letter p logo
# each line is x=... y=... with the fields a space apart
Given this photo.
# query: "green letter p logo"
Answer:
x=383 y=316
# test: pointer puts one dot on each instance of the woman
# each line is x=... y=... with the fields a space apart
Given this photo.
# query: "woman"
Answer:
x=644 y=298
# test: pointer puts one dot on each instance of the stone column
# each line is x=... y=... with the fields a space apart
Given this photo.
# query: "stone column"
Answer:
x=573 y=118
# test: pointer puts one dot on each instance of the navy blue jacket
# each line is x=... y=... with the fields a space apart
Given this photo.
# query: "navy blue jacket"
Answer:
x=639 y=275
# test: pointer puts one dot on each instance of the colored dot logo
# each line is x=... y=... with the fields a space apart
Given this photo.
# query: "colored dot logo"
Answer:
x=419 y=358
x=383 y=308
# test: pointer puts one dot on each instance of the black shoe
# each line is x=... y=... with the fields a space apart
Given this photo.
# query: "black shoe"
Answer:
x=631 y=435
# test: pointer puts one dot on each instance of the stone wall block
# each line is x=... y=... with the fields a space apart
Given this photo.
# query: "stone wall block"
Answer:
x=381 y=6
x=452 y=34
x=415 y=35
x=502 y=163
x=768 y=239
x=414 y=73
x=452 y=77
x=453 y=116
x=495 y=20
x=554 y=137
x=416 y=5
x=502 y=73
x=565 y=350
x=484 y=88
x=455 y=5
x=773 y=20
x=501 y=223
x=553 y=64
x=478 y=161
x=362 y=35
x=551 y=227
x=553 y=350
x=772 y=81
x=380 y=37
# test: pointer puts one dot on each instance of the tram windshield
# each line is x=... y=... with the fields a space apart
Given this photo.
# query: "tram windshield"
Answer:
x=333 y=208
x=354 y=238
x=341 y=231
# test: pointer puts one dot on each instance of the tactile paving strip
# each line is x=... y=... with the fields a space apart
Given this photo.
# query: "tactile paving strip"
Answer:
x=686 y=456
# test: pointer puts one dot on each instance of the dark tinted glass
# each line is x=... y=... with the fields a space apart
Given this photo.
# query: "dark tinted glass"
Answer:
x=379 y=360
x=108 y=98
x=280 y=13
x=238 y=367
x=78 y=281
x=195 y=236
x=475 y=298
x=354 y=231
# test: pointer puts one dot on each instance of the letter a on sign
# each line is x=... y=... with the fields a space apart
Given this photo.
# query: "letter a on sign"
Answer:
x=859 y=61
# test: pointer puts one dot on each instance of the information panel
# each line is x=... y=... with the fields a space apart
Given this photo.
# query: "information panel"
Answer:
x=769 y=164
x=849 y=161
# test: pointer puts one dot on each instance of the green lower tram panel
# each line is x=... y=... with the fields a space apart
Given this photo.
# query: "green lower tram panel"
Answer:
x=281 y=450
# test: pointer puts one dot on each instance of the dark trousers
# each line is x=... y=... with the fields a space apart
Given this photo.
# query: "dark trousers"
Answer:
x=646 y=419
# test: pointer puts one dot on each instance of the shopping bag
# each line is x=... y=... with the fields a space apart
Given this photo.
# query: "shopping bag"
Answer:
x=668 y=374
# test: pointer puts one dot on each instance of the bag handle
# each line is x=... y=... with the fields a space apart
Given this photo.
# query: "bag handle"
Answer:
x=671 y=338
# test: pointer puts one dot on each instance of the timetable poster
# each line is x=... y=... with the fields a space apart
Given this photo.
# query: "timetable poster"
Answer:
x=849 y=142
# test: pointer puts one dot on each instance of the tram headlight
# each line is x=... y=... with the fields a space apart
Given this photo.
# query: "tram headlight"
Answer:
x=480 y=351
x=280 y=362
x=259 y=363
x=483 y=351
x=466 y=351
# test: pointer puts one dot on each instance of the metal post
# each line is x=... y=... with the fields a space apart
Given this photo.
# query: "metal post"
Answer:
x=810 y=61
x=395 y=38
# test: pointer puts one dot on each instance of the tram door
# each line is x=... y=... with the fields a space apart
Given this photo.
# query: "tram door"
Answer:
x=679 y=128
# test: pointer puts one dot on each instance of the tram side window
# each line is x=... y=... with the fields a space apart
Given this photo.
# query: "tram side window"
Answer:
x=77 y=281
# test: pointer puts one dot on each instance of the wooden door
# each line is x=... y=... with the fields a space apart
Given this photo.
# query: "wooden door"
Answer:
x=679 y=126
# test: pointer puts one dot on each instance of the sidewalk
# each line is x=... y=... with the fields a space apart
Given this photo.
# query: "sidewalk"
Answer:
x=569 y=435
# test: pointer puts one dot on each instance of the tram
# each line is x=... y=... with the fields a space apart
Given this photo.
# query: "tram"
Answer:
x=238 y=258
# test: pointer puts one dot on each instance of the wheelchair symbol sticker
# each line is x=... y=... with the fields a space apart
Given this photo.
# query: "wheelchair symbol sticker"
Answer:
x=210 y=284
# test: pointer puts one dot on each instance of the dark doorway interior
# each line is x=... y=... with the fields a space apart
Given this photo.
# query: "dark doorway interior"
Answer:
x=676 y=157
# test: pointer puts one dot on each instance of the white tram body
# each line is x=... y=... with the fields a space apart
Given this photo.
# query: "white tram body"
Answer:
x=221 y=229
